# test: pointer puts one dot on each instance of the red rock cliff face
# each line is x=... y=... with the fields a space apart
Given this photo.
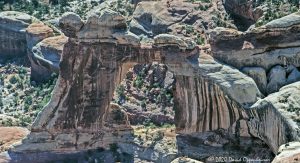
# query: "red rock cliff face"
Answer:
x=206 y=106
x=87 y=84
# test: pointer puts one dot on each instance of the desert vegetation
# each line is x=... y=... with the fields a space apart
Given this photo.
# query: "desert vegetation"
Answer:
x=20 y=98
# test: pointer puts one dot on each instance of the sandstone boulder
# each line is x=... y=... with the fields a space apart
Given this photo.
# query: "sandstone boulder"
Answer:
x=45 y=57
x=153 y=18
x=36 y=32
x=70 y=23
x=258 y=74
x=13 y=33
x=289 y=152
x=285 y=22
x=294 y=76
x=277 y=113
x=171 y=40
x=276 y=79
x=101 y=25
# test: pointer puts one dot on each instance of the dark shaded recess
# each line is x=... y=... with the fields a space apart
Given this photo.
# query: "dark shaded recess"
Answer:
x=241 y=22
x=54 y=2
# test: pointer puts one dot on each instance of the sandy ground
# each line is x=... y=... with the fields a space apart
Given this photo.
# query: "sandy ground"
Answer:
x=11 y=135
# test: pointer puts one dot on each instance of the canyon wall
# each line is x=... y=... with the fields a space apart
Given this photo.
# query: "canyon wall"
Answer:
x=221 y=97
x=13 y=33
x=214 y=98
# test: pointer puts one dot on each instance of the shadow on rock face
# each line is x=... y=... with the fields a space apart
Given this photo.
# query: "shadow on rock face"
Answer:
x=47 y=157
x=217 y=144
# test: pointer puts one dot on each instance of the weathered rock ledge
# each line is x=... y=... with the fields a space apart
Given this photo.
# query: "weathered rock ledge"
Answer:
x=264 y=46
x=271 y=50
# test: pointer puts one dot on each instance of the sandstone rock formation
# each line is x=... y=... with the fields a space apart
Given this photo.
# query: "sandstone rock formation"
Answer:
x=151 y=18
x=272 y=45
x=209 y=95
x=294 y=75
x=275 y=43
x=11 y=135
x=258 y=74
x=70 y=23
x=213 y=98
x=284 y=103
x=80 y=103
x=216 y=94
x=243 y=11
x=13 y=33
x=36 y=32
x=45 y=57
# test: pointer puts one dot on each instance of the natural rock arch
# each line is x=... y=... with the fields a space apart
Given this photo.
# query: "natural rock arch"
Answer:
x=87 y=82
x=209 y=95
x=91 y=67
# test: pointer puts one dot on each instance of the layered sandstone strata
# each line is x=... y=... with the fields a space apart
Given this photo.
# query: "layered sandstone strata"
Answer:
x=276 y=43
x=13 y=33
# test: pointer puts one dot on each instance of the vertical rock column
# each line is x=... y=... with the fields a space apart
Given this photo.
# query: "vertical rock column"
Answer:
x=89 y=70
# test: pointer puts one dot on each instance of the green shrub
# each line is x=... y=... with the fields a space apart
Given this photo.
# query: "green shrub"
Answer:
x=113 y=147
x=200 y=40
x=9 y=86
x=25 y=120
x=138 y=82
x=189 y=29
x=14 y=79
x=143 y=104
x=28 y=100
x=120 y=91
x=118 y=115
x=8 y=122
